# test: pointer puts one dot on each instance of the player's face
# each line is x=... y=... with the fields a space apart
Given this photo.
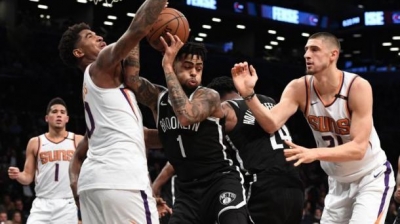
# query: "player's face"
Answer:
x=318 y=56
x=189 y=71
x=57 y=117
x=89 y=44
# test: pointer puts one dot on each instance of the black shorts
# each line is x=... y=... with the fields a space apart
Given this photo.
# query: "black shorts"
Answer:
x=274 y=204
x=205 y=201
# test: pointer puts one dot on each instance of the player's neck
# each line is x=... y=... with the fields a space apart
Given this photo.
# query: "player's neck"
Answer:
x=56 y=135
x=328 y=82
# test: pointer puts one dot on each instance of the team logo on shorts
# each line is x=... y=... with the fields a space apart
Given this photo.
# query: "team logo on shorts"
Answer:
x=227 y=197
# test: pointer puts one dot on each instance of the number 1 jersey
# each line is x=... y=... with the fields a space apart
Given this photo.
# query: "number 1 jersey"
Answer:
x=195 y=151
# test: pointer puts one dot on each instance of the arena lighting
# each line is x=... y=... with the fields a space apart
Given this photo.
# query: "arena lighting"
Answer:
x=217 y=20
x=108 y=23
x=396 y=38
x=305 y=34
x=48 y=17
x=386 y=44
x=206 y=26
x=202 y=35
x=198 y=39
x=280 y=38
x=42 y=6
x=112 y=17
x=394 y=49
x=130 y=14
x=34 y=0
x=105 y=4
x=347 y=55
x=242 y=27
x=273 y=43
x=268 y=47
x=356 y=35
x=272 y=31
x=356 y=52
x=82 y=1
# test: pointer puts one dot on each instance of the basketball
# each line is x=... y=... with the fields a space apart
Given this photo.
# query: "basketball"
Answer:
x=172 y=21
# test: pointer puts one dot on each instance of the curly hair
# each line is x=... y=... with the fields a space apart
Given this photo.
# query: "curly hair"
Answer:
x=67 y=43
x=54 y=101
x=223 y=85
x=194 y=49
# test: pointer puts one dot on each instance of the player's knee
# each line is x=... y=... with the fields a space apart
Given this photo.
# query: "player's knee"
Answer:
x=234 y=216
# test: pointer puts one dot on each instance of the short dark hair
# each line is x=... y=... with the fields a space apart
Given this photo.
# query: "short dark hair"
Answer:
x=68 y=41
x=54 y=101
x=332 y=38
x=194 y=49
x=223 y=85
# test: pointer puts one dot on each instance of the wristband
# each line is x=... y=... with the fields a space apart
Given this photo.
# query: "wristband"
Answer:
x=249 y=97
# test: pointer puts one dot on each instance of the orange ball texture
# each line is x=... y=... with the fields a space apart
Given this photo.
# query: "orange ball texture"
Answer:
x=172 y=21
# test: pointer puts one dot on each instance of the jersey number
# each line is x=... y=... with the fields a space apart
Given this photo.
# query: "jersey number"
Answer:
x=330 y=140
x=91 y=120
x=283 y=135
x=179 y=139
x=56 y=172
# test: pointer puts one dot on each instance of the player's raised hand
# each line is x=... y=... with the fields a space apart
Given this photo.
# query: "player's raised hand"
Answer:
x=13 y=172
x=171 y=50
x=244 y=78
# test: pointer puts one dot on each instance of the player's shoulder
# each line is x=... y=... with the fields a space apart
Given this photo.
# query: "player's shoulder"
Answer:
x=210 y=94
x=357 y=82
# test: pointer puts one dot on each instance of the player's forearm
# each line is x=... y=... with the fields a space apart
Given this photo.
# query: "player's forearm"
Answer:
x=177 y=96
x=166 y=173
x=263 y=115
x=146 y=16
x=350 y=151
x=25 y=178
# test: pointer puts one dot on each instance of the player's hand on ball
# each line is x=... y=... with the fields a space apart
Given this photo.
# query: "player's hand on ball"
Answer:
x=172 y=50
x=13 y=172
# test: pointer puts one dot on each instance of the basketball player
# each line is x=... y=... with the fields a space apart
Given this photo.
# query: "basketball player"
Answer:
x=113 y=184
x=47 y=160
x=274 y=187
x=338 y=108
x=190 y=121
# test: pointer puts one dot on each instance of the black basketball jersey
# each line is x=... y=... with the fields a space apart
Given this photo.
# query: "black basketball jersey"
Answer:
x=195 y=151
x=257 y=150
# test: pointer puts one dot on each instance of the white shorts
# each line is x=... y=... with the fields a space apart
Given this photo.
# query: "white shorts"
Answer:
x=363 y=201
x=110 y=206
x=55 y=211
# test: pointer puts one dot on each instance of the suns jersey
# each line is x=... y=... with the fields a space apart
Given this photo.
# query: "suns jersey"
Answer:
x=116 y=158
x=195 y=151
x=51 y=177
x=330 y=125
x=258 y=151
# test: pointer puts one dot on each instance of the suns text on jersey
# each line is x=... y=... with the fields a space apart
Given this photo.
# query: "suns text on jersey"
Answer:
x=173 y=123
x=55 y=155
x=328 y=124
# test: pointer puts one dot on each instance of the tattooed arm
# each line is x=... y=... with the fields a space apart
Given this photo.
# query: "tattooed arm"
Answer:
x=113 y=54
x=204 y=103
x=146 y=93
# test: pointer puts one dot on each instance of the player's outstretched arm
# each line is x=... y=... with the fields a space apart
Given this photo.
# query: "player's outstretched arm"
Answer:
x=204 y=102
x=146 y=93
x=26 y=177
x=397 y=192
x=245 y=78
x=140 y=26
x=76 y=164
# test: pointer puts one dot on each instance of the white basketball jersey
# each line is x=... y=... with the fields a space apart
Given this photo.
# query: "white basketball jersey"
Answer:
x=116 y=158
x=330 y=125
x=52 y=179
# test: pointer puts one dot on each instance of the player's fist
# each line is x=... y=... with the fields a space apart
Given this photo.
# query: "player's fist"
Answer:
x=13 y=172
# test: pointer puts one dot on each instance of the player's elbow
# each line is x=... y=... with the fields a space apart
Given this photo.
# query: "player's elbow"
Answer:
x=361 y=150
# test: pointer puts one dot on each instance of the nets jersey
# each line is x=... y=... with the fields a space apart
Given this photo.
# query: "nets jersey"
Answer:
x=256 y=150
x=51 y=178
x=330 y=125
x=116 y=158
x=195 y=151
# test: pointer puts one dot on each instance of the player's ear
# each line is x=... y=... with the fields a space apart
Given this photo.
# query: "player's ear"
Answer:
x=78 y=53
x=46 y=118
x=67 y=119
